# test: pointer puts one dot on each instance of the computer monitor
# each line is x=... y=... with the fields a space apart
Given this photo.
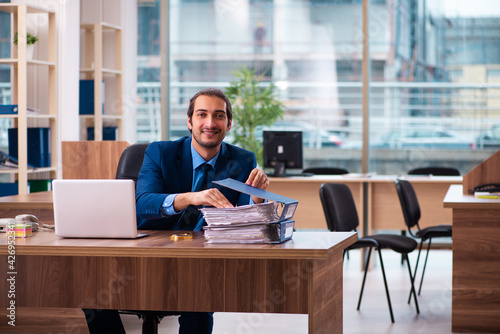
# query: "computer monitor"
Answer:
x=282 y=149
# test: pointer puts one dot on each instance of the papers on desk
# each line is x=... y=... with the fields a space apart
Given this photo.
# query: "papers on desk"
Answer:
x=241 y=215
x=257 y=223
x=269 y=222
x=487 y=194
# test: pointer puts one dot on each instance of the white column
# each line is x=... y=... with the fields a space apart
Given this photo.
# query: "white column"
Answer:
x=129 y=70
x=68 y=61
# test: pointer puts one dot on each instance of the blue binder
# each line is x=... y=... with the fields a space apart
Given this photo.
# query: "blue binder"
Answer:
x=108 y=133
x=8 y=189
x=87 y=97
x=8 y=109
x=289 y=204
x=38 y=146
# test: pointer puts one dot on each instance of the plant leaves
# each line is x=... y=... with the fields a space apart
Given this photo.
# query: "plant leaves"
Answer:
x=254 y=104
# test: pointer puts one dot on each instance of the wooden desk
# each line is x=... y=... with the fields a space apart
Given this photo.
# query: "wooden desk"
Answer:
x=309 y=213
x=476 y=262
x=38 y=204
x=303 y=275
x=384 y=209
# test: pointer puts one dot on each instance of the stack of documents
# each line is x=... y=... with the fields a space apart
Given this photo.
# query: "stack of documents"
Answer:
x=241 y=215
x=256 y=223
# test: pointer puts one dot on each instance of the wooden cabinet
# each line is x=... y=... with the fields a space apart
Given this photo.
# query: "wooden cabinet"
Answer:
x=99 y=42
x=33 y=85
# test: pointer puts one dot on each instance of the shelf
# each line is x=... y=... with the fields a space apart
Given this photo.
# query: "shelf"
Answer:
x=41 y=62
x=42 y=170
x=102 y=116
x=39 y=116
x=12 y=8
x=104 y=71
x=8 y=61
x=14 y=61
x=105 y=26
x=110 y=71
x=30 y=170
x=8 y=170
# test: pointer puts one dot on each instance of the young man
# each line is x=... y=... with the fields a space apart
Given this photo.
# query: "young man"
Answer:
x=166 y=195
x=175 y=180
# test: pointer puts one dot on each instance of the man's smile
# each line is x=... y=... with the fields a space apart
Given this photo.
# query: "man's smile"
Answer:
x=210 y=132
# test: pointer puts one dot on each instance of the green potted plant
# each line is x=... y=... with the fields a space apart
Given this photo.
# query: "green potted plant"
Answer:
x=254 y=104
x=30 y=41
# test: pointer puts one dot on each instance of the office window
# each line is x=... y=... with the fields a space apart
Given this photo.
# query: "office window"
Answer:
x=436 y=98
x=309 y=49
x=433 y=67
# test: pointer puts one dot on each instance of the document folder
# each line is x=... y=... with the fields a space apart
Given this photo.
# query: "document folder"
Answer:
x=272 y=231
x=289 y=204
x=284 y=230
x=267 y=233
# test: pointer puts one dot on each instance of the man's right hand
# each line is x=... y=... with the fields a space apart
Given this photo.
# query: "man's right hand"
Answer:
x=210 y=197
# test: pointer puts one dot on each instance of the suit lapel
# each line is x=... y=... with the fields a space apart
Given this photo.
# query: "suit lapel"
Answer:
x=185 y=165
x=223 y=165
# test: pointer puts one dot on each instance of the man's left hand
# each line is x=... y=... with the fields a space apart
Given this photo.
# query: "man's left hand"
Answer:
x=258 y=179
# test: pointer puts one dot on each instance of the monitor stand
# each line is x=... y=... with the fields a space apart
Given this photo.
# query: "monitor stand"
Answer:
x=279 y=171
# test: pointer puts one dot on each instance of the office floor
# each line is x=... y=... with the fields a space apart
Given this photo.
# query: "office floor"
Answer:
x=434 y=301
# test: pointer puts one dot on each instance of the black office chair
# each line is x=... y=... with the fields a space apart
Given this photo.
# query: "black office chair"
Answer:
x=130 y=162
x=432 y=170
x=438 y=171
x=411 y=213
x=341 y=215
x=129 y=166
x=325 y=171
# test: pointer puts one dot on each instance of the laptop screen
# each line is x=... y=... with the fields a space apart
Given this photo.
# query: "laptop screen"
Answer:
x=94 y=208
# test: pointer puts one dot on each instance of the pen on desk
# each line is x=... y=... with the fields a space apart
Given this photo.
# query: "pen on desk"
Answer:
x=487 y=196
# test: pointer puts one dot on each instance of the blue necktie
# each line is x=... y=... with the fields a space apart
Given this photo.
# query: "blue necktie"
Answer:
x=202 y=181
x=203 y=177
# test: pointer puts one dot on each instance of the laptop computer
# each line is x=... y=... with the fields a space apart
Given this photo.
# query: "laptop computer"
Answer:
x=95 y=209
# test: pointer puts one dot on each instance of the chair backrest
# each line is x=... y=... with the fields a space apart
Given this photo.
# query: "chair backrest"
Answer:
x=325 y=171
x=438 y=171
x=131 y=161
x=409 y=202
x=339 y=207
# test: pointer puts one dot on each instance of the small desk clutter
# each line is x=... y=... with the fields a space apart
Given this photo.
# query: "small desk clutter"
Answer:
x=256 y=223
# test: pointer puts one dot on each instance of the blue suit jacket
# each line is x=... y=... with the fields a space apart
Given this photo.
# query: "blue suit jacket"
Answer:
x=168 y=169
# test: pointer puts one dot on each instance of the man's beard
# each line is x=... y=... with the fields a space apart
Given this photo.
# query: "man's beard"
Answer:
x=207 y=144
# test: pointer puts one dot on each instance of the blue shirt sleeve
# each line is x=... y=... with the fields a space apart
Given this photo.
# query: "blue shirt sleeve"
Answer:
x=168 y=205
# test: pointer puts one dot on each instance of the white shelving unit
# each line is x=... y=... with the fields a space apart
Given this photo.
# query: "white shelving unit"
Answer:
x=22 y=87
x=94 y=68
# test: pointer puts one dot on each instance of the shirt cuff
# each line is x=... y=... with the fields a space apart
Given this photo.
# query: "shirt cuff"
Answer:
x=252 y=202
x=168 y=205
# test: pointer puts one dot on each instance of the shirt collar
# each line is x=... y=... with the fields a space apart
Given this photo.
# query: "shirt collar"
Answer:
x=198 y=160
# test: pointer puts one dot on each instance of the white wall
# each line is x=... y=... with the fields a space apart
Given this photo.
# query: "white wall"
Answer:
x=129 y=70
x=68 y=28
